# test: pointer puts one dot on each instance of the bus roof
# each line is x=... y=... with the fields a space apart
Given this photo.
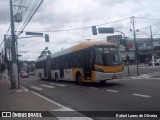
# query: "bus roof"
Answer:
x=78 y=47
x=41 y=59
x=81 y=46
x=91 y=43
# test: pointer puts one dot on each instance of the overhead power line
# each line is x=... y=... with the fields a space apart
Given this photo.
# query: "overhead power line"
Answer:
x=84 y=27
x=30 y=18
x=147 y=18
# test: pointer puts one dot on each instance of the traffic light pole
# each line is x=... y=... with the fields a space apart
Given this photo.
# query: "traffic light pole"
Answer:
x=14 y=81
x=136 y=47
x=125 y=49
x=153 y=59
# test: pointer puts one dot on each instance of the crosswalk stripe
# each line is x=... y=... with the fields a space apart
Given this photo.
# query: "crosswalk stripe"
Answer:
x=93 y=88
x=140 y=95
x=36 y=88
x=112 y=91
x=48 y=86
x=61 y=85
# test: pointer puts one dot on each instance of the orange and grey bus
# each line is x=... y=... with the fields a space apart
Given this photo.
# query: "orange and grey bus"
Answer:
x=89 y=61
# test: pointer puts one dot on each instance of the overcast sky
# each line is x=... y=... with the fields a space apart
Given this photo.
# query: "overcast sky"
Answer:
x=54 y=15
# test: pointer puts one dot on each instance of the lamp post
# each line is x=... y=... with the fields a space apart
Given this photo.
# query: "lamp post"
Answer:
x=152 y=47
x=151 y=41
x=135 y=45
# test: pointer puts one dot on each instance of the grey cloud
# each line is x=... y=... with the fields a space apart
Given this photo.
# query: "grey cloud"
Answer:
x=4 y=12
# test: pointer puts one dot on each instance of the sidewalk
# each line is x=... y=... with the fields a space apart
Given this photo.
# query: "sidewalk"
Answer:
x=23 y=100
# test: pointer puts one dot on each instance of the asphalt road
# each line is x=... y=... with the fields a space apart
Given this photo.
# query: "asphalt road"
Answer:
x=115 y=95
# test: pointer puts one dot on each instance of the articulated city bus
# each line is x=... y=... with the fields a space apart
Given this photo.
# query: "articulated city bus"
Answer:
x=90 y=61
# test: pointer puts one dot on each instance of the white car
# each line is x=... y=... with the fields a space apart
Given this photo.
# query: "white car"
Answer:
x=157 y=62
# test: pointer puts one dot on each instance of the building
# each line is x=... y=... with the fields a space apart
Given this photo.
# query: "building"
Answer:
x=144 y=49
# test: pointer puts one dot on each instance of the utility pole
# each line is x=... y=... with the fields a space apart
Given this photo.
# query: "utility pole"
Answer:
x=5 y=58
x=136 y=46
x=152 y=47
x=14 y=81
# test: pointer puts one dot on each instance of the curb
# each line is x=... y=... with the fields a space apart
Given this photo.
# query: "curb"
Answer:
x=78 y=116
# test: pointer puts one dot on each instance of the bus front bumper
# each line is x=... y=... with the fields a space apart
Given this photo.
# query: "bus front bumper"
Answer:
x=108 y=76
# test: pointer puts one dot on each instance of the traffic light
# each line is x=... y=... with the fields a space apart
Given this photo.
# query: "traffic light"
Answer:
x=94 y=30
x=123 y=42
x=46 y=38
x=127 y=57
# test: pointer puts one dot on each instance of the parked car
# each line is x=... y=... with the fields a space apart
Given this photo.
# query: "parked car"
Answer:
x=157 y=62
x=24 y=74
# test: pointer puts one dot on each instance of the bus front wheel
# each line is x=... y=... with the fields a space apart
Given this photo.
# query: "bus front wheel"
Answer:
x=103 y=81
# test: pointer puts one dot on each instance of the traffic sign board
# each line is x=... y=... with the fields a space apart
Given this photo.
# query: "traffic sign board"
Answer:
x=114 y=37
x=105 y=30
x=34 y=33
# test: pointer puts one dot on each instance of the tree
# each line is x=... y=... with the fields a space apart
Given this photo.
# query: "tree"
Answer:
x=45 y=52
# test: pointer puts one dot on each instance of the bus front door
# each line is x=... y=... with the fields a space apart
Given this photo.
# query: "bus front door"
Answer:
x=49 y=67
x=87 y=65
x=61 y=69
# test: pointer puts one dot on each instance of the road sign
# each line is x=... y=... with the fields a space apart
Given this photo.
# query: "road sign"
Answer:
x=34 y=33
x=114 y=38
x=46 y=38
x=94 y=30
x=105 y=30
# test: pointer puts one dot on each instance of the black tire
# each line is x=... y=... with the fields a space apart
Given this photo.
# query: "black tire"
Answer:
x=79 y=79
x=56 y=77
x=103 y=81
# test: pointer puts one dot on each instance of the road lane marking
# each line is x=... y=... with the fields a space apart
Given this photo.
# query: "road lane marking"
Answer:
x=93 y=88
x=62 y=108
x=140 y=95
x=61 y=85
x=36 y=88
x=48 y=86
x=115 y=91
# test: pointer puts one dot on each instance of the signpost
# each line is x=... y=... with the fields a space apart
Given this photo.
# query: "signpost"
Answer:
x=34 y=33
x=114 y=38
x=105 y=30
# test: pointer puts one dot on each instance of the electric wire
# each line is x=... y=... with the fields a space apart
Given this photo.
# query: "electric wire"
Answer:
x=27 y=17
x=147 y=18
x=72 y=29
x=31 y=17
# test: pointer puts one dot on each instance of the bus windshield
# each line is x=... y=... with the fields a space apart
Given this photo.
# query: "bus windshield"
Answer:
x=107 y=56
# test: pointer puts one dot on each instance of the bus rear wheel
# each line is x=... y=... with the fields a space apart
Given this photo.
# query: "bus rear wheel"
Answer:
x=56 y=78
x=79 y=78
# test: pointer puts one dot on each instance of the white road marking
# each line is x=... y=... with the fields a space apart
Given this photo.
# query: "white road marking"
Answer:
x=61 y=85
x=140 y=95
x=37 y=88
x=48 y=86
x=22 y=89
x=112 y=91
x=93 y=88
x=63 y=108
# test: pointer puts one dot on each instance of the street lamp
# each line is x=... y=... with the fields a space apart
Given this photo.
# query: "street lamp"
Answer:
x=151 y=40
x=136 y=49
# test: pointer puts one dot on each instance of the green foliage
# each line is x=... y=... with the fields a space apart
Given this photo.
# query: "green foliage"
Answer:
x=45 y=52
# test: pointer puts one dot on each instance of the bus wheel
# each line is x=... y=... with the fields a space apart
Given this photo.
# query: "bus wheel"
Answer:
x=79 y=79
x=103 y=81
x=40 y=76
x=56 y=78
